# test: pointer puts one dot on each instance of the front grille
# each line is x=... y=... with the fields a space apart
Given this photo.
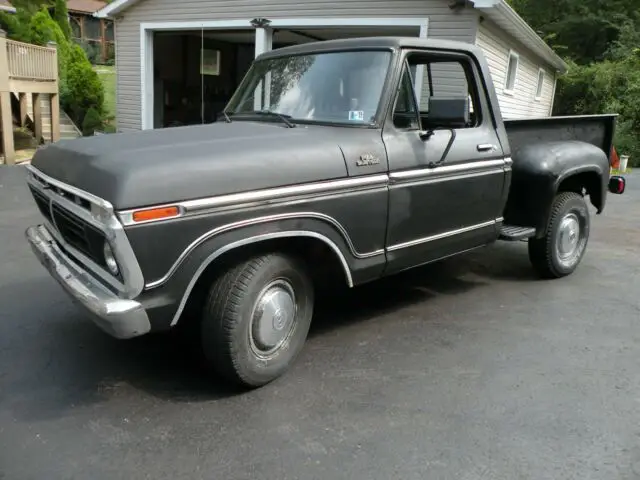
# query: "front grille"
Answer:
x=79 y=234
x=75 y=231
x=81 y=202
x=42 y=202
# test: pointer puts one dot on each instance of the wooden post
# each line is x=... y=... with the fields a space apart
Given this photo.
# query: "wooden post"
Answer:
x=103 y=43
x=55 y=117
x=6 y=124
x=24 y=113
x=37 y=116
x=6 y=118
x=54 y=103
x=4 y=62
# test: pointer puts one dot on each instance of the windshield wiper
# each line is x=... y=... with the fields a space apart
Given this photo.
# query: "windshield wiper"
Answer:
x=281 y=116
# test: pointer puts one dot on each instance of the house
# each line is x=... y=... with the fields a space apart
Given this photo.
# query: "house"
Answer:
x=161 y=44
x=95 y=34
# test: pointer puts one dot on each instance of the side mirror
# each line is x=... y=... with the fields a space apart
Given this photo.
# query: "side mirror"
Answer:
x=617 y=184
x=448 y=112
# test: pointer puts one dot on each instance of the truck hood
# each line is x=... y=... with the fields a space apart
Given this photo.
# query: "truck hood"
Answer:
x=137 y=169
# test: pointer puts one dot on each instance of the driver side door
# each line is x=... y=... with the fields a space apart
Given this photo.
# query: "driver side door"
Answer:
x=447 y=170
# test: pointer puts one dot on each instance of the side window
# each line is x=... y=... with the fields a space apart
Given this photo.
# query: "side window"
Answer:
x=405 y=114
x=448 y=97
x=512 y=72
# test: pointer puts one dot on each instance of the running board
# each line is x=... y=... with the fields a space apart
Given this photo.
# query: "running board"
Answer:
x=512 y=233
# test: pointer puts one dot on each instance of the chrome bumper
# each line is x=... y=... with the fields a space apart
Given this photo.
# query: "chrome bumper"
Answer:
x=121 y=318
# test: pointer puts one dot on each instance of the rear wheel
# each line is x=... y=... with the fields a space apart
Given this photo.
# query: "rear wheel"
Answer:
x=256 y=319
x=560 y=251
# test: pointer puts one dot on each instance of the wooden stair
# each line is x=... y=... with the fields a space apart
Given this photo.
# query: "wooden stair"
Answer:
x=68 y=129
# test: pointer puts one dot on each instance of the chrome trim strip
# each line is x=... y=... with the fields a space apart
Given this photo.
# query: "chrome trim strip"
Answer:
x=440 y=236
x=447 y=170
x=70 y=188
x=257 y=197
x=107 y=222
x=425 y=180
x=508 y=161
x=256 y=221
x=309 y=190
x=258 y=238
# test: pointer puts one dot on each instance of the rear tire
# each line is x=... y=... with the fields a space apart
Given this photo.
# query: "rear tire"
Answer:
x=560 y=251
x=256 y=319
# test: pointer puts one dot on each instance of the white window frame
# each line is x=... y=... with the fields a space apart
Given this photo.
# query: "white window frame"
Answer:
x=540 y=84
x=263 y=37
x=509 y=91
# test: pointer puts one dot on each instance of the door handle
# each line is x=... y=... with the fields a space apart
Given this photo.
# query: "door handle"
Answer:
x=486 y=147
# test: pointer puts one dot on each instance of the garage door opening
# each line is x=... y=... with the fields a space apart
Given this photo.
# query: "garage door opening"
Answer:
x=194 y=73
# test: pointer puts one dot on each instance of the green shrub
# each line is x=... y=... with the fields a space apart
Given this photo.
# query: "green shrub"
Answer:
x=91 y=51
x=92 y=122
x=84 y=88
x=61 y=16
x=611 y=86
x=43 y=29
x=16 y=25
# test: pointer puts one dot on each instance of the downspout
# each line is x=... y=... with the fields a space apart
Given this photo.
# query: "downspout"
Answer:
x=553 y=95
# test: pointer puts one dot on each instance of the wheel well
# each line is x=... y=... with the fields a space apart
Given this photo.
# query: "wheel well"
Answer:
x=584 y=183
x=325 y=267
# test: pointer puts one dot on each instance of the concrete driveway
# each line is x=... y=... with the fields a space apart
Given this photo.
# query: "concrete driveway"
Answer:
x=467 y=369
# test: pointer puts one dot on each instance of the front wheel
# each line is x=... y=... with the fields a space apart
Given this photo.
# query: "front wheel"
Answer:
x=256 y=319
x=560 y=251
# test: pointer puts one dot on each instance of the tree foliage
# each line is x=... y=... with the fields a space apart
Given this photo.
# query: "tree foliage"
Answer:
x=80 y=86
x=600 y=40
x=61 y=16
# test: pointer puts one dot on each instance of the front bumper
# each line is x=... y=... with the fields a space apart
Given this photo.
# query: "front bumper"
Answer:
x=121 y=318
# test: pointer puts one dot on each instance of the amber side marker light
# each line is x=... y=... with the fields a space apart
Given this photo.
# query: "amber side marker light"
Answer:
x=155 y=214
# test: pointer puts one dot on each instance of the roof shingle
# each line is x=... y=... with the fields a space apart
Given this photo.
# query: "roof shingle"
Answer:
x=85 y=6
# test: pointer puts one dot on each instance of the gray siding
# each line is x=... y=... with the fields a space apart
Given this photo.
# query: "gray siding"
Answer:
x=443 y=23
x=521 y=103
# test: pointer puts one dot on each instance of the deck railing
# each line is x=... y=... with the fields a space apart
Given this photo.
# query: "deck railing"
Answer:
x=26 y=70
x=31 y=62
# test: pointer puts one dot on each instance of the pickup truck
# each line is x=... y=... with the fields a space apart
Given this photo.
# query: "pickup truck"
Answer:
x=334 y=162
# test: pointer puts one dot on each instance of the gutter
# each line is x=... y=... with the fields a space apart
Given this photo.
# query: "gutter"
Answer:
x=498 y=10
x=113 y=8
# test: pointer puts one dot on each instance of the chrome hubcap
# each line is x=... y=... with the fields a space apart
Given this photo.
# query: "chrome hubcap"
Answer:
x=568 y=243
x=274 y=316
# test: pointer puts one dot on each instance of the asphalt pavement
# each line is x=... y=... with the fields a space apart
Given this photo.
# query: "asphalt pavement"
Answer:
x=467 y=369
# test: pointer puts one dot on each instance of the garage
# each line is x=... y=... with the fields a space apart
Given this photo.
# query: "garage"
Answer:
x=189 y=74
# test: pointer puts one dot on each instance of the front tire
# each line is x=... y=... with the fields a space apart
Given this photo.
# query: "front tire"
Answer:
x=256 y=319
x=560 y=251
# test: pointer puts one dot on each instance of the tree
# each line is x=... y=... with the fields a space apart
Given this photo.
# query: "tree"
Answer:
x=600 y=40
x=61 y=16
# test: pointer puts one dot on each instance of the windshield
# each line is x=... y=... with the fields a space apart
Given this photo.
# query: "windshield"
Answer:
x=340 y=87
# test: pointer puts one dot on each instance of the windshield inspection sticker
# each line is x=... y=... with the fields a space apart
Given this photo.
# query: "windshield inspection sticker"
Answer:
x=356 y=115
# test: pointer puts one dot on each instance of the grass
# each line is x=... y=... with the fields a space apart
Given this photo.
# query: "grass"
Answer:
x=107 y=76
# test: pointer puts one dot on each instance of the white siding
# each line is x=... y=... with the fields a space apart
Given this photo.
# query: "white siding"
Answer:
x=444 y=23
x=521 y=103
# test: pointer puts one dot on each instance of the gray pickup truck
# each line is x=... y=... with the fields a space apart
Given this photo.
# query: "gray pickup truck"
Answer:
x=338 y=161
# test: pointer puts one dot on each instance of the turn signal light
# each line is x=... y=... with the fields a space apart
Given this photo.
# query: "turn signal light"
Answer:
x=155 y=214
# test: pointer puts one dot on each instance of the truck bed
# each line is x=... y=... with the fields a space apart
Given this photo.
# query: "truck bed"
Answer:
x=597 y=130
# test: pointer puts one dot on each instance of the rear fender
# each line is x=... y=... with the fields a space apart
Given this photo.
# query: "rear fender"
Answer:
x=541 y=171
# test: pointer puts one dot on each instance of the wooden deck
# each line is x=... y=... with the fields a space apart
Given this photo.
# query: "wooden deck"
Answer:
x=27 y=70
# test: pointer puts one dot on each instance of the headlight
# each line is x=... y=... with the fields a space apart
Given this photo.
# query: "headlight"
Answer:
x=110 y=259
